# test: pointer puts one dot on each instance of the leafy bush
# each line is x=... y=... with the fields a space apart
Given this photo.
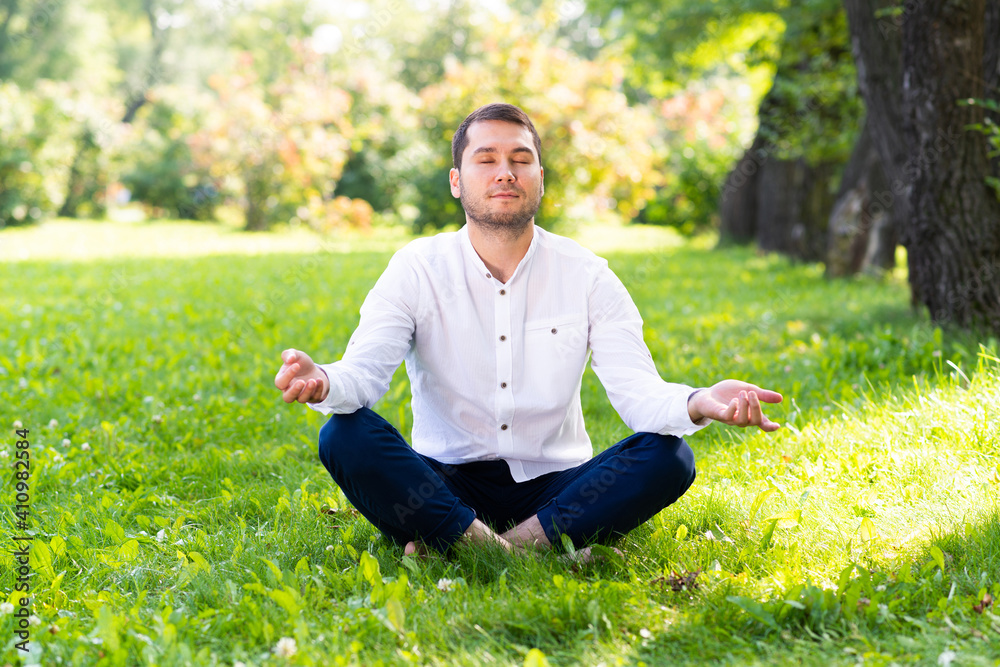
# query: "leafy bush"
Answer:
x=596 y=149
x=157 y=165
x=36 y=151
x=279 y=148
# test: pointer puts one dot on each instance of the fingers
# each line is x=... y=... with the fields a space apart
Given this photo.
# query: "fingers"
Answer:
x=303 y=391
x=769 y=396
x=755 y=416
x=285 y=375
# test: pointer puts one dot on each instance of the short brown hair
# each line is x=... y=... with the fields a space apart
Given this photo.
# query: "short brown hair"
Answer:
x=496 y=111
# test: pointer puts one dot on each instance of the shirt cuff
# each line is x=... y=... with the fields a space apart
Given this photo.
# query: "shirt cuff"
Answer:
x=679 y=419
x=326 y=406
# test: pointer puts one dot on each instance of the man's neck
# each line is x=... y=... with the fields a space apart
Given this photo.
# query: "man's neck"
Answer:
x=501 y=253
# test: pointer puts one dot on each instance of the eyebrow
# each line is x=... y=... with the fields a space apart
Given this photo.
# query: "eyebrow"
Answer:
x=491 y=149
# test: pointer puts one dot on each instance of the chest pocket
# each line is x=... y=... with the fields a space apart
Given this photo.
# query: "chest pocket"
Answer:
x=555 y=352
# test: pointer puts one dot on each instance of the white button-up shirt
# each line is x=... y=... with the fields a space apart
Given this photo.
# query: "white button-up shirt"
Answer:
x=495 y=369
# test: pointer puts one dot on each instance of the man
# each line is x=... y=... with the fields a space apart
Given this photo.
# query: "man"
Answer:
x=495 y=323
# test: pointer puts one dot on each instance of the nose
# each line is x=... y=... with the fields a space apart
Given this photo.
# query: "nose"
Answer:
x=504 y=174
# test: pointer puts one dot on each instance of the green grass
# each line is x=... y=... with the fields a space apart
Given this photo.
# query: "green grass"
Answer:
x=197 y=526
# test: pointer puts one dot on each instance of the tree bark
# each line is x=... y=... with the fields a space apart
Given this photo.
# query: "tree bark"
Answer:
x=862 y=237
x=136 y=96
x=991 y=68
x=953 y=240
x=876 y=42
x=738 y=202
x=793 y=206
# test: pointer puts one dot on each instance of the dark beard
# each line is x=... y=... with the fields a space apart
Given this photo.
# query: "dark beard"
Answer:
x=510 y=224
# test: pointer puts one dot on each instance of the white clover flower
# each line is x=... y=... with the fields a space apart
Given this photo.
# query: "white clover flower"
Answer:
x=148 y=399
x=23 y=384
x=18 y=424
x=157 y=419
x=329 y=547
x=880 y=588
x=54 y=423
x=3 y=454
x=66 y=442
x=57 y=458
x=34 y=620
x=645 y=634
x=277 y=417
x=286 y=647
x=239 y=664
x=445 y=585
x=197 y=397
x=6 y=608
x=85 y=447
x=946 y=658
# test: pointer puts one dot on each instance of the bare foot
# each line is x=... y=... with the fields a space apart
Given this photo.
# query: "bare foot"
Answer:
x=418 y=549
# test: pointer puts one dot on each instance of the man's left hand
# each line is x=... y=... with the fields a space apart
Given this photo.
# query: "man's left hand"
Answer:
x=735 y=403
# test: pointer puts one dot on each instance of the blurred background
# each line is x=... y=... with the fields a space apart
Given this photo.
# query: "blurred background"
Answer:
x=740 y=117
x=339 y=113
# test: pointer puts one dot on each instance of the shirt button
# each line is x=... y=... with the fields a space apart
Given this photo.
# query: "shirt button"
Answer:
x=553 y=331
x=503 y=338
x=503 y=385
x=488 y=275
x=502 y=292
x=503 y=427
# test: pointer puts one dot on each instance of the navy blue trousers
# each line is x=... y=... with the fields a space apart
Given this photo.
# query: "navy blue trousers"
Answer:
x=409 y=496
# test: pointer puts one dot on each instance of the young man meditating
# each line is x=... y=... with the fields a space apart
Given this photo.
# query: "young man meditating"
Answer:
x=495 y=323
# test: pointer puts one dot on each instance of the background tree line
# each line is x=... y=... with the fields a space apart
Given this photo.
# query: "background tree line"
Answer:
x=784 y=124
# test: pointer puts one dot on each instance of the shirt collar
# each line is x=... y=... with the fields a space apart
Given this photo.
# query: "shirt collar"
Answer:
x=477 y=261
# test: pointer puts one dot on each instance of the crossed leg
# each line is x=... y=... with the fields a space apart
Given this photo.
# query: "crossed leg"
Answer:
x=414 y=499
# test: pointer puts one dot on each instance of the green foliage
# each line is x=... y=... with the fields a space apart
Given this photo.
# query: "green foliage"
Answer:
x=991 y=130
x=278 y=147
x=598 y=152
x=181 y=516
x=40 y=130
x=814 y=110
x=157 y=165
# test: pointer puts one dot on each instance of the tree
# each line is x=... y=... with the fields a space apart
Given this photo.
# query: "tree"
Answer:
x=936 y=165
x=953 y=238
x=781 y=192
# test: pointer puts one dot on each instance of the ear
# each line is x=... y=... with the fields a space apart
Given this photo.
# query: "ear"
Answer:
x=541 y=170
x=453 y=180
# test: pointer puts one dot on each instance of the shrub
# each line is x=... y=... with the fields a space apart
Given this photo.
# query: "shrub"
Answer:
x=36 y=151
x=158 y=167
x=275 y=146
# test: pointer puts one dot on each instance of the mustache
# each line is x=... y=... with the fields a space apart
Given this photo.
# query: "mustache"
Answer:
x=505 y=190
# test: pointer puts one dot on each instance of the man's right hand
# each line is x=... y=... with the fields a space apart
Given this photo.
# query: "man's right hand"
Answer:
x=299 y=379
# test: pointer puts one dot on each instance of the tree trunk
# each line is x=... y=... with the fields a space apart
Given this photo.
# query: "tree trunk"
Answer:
x=862 y=237
x=991 y=68
x=876 y=42
x=738 y=203
x=953 y=240
x=88 y=180
x=793 y=205
x=136 y=95
x=255 y=206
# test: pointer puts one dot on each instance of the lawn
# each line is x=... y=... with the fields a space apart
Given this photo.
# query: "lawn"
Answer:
x=179 y=514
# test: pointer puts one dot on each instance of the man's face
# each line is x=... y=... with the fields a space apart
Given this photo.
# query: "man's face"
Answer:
x=501 y=181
